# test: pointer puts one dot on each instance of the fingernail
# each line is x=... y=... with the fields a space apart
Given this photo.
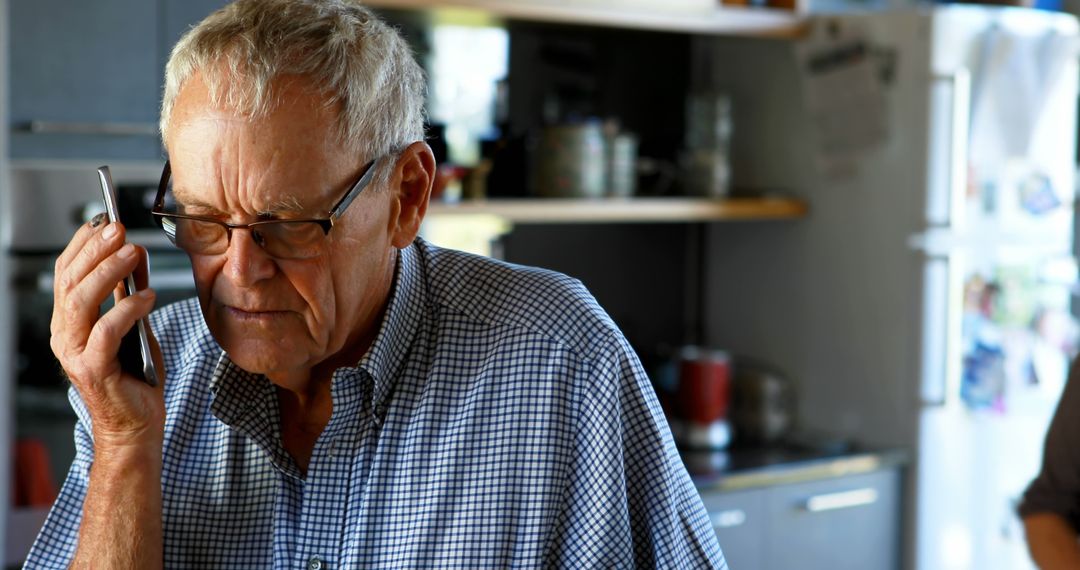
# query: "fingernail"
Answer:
x=96 y=220
x=109 y=231
x=127 y=251
x=146 y=293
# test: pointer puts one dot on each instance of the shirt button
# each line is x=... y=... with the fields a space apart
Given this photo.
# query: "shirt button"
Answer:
x=315 y=563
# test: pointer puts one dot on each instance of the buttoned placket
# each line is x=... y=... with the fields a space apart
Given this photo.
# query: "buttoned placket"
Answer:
x=330 y=477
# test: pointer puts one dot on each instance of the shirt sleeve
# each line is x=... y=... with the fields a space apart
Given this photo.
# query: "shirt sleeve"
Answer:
x=1057 y=487
x=629 y=501
x=55 y=544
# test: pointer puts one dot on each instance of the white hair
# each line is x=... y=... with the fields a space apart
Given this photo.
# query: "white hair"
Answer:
x=358 y=62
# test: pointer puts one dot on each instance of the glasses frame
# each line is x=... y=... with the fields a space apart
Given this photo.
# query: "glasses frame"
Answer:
x=327 y=223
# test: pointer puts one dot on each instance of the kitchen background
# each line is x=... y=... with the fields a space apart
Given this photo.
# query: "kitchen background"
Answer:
x=840 y=236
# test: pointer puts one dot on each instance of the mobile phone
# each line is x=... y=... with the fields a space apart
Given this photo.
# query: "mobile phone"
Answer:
x=135 y=356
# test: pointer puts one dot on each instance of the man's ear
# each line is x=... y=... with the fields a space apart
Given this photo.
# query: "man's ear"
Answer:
x=414 y=175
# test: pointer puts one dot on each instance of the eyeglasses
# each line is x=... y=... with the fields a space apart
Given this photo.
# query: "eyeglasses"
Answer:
x=282 y=239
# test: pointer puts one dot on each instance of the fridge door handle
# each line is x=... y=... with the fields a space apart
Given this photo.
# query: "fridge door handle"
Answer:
x=959 y=82
x=942 y=324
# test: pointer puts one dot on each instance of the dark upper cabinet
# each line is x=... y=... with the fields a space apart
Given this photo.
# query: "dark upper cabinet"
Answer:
x=87 y=74
x=86 y=77
x=178 y=17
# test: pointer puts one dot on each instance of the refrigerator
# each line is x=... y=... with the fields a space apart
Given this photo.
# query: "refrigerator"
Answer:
x=926 y=301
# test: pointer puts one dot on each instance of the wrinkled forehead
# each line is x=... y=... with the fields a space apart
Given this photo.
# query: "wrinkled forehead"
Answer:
x=283 y=160
x=219 y=89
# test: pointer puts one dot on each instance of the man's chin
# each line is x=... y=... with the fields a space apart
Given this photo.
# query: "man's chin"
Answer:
x=261 y=353
x=260 y=363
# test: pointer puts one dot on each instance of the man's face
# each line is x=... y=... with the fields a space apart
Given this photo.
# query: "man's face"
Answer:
x=273 y=316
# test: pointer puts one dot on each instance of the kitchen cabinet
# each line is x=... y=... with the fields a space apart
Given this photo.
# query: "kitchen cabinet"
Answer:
x=845 y=522
x=740 y=520
x=178 y=16
x=83 y=79
x=86 y=77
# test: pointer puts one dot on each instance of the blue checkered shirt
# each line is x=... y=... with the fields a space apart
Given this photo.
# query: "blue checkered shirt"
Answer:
x=499 y=419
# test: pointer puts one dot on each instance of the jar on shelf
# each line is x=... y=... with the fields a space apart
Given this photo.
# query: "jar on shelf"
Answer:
x=707 y=157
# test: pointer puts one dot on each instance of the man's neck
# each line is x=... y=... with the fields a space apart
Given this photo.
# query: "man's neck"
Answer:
x=304 y=415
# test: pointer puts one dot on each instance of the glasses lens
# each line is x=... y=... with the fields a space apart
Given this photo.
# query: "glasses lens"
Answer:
x=196 y=236
x=283 y=239
x=290 y=240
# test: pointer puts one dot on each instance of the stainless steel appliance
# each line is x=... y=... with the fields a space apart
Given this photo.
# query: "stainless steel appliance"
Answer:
x=47 y=202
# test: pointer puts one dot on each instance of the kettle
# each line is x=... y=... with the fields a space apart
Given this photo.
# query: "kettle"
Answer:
x=762 y=404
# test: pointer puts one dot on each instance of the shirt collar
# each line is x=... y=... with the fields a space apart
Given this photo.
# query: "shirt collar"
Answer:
x=236 y=391
x=247 y=402
x=386 y=357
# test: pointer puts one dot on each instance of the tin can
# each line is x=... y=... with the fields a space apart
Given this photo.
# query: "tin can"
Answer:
x=704 y=395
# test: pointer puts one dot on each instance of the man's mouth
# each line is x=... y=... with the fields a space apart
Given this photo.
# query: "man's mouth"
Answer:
x=253 y=314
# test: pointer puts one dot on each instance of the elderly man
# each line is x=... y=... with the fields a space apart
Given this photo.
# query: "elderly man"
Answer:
x=342 y=394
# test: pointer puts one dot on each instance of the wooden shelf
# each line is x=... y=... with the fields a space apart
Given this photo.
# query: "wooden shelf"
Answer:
x=709 y=19
x=624 y=210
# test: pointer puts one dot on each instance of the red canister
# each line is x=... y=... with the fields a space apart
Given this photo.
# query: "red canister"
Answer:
x=704 y=385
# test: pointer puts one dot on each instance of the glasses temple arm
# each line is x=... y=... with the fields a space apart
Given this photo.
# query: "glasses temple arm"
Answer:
x=355 y=191
x=166 y=172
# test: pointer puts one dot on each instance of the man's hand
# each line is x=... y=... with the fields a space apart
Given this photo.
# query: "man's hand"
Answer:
x=121 y=522
x=125 y=410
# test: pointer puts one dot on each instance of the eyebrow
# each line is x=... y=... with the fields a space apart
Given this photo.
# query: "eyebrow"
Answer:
x=289 y=205
x=183 y=198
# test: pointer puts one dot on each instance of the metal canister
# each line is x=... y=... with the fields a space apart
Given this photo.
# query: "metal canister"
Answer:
x=569 y=162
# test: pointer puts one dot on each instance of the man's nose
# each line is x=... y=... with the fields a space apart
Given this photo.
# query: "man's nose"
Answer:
x=246 y=262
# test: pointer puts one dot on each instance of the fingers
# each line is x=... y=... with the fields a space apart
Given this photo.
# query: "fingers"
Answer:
x=61 y=280
x=102 y=242
x=77 y=242
x=92 y=289
x=77 y=302
x=104 y=340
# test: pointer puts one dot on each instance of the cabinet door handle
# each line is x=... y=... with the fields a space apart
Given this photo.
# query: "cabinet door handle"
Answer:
x=841 y=500
x=74 y=128
x=728 y=519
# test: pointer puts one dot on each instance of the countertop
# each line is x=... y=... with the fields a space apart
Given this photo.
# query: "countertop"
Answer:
x=741 y=468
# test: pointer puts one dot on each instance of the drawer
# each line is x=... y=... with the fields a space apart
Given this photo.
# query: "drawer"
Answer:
x=741 y=525
x=844 y=523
